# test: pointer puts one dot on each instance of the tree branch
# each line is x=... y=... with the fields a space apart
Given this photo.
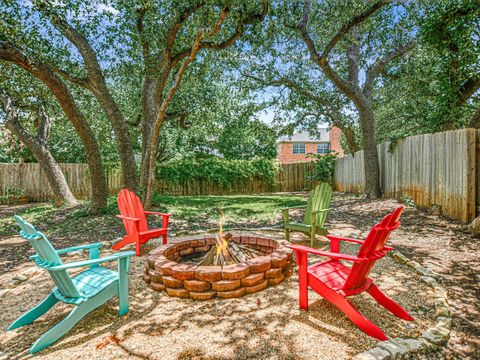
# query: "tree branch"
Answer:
x=239 y=29
x=142 y=10
x=379 y=65
x=356 y=20
x=353 y=56
x=94 y=72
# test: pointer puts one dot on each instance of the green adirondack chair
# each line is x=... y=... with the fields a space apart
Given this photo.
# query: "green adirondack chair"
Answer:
x=87 y=290
x=316 y=212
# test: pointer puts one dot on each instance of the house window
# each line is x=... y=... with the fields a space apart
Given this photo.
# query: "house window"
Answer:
x=323 y=148
x=299 y=148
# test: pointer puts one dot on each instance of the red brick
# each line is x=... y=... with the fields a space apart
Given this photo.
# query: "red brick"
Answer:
x=279 y=260
x=210 y=240
x=205 y=295
x=252 y=240
x=151 y=260
x=285 y=250
x=171 y=282
x=146 y=278
x=273 y=273
x=186 y=252
x=196 y=285
x=201 y=242
x=165 y=268
x=231 y=294
x=181 y=293
x=263 y=241
x=253 y=279
x=276 y=280
x=183 y=272
x=160 y=249
x=226 y=285
x=183 y=245
x=157 y=286
x=244 y=239
x=170 y=251
x=273 y=244
x=258 y=287
x=259 y=264
x=156 y=277
x=201 y=249
x=208 y=273
x=237 y=271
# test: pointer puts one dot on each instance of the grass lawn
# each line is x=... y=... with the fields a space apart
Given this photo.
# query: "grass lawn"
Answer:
x=189 y=213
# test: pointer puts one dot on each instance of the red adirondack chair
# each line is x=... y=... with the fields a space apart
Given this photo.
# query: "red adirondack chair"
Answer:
x=335 y=282
x=135 y=220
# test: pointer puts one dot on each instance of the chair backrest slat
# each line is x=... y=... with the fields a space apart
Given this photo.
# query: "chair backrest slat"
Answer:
x=319 y=199
x=129 y=204
x=48 y=257
x=372 y=249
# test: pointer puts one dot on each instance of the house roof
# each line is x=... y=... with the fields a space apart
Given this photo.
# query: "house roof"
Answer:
x=304 y=137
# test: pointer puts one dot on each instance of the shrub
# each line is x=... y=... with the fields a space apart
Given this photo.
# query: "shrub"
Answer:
x=324 y=168
x=221 y=171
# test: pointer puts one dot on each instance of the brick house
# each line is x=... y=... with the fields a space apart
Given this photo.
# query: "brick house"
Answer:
x=295 y=148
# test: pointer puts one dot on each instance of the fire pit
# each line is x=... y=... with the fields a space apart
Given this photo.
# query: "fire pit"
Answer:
x=241 y=265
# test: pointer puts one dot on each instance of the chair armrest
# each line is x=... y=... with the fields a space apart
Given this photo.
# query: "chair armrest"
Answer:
x=156 y=213
x=308 y=250
x=342 y=238
x=319 y=211
x=127 y=218
x=165 y=217
x=80 y=247
x=77 y=264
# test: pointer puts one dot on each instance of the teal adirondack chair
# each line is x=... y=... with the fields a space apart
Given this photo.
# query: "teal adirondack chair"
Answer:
x=316 y=212
x=87 y=291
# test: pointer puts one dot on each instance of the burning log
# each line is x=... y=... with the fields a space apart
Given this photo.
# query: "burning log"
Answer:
x=225 y=251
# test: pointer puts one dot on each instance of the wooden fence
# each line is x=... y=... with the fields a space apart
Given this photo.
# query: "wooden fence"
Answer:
x=432 y=169
x=31 y=179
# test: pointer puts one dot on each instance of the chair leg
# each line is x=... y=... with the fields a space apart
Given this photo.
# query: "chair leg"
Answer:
x=347 y=308
x=61 y=328
x=165 y=239
x=359 y=319
x=287 y=235
x=137 y=247
x=33 y=314
x=73 y=318
x=128 y=239
x=388 y=303
x=312 y=236
x=123 y=286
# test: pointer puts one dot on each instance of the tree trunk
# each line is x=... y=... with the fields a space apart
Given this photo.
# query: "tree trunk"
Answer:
x=122 y=136
x=65 y=98
x=39 y=149
x=149 y=113
x=371 y=167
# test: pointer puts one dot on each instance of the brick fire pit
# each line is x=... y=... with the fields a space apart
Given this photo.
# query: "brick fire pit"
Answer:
x=165 y=271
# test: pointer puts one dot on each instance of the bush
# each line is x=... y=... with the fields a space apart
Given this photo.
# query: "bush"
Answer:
x=324 y=168
x=221 y=171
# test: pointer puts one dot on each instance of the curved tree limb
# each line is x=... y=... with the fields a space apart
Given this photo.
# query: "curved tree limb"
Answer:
x=379 y=66
x=41 y=71
x=39 y=148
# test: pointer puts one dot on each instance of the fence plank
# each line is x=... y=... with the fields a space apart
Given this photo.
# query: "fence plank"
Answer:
x=30 y=178
x=432 y=169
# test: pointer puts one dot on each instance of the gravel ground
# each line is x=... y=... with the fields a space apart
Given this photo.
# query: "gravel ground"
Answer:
x=266 y=325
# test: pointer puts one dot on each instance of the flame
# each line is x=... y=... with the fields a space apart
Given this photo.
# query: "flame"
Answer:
x=222 y=243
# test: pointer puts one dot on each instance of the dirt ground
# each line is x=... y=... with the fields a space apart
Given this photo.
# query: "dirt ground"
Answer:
x=268 y=324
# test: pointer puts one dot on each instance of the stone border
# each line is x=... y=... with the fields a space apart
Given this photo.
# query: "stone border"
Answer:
x=430 y=339
x=164 y=273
